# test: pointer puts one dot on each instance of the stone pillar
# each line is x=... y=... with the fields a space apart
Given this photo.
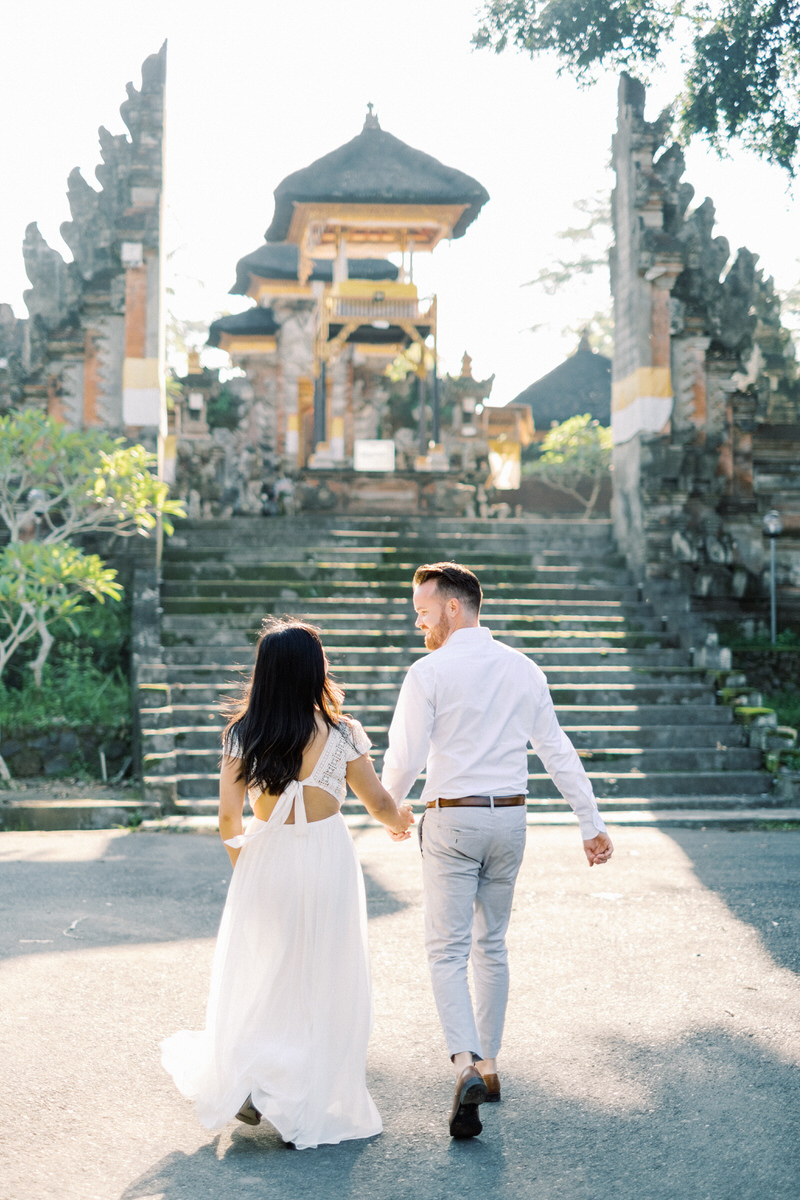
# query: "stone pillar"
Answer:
x=645 y=262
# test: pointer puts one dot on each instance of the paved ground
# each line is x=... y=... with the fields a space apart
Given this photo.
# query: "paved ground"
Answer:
x=652 y=1046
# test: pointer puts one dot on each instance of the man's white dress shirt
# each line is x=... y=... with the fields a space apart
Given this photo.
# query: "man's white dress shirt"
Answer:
x=468 y=710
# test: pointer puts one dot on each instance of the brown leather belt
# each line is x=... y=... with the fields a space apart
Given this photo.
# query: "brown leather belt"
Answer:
x=477 y=802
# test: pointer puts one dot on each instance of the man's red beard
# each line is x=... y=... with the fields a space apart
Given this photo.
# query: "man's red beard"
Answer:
x=436 y=637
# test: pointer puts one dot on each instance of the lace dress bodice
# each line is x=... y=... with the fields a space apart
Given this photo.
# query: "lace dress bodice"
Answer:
x=345 y=742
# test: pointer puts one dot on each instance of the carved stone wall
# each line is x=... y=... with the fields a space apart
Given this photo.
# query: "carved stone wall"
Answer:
x=90 y=350
x=705 y=395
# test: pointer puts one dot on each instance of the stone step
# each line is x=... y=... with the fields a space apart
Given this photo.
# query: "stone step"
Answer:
x=709 y=738
x=313 y=602
x=426 y=534
x=200 y=816
x=197 y=669
x=737 y=813
x=233 y=644
x=665 y=737
x=218 y=673
x=585 y=691
x=557 y=673
x=53 y=815
x=213 y=573
x=186 y=665
x=618 y=762
x=395 y=628
x=191 y=785
x=266 y=589
x=375 y=717
x=688 y=807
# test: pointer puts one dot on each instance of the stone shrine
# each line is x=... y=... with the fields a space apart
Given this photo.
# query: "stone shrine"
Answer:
x=341 y=403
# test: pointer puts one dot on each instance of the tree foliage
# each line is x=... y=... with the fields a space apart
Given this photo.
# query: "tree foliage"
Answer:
x=577 y=449
x=41 y=583
x=65 y=482
x=740 y=57
x=57 y=484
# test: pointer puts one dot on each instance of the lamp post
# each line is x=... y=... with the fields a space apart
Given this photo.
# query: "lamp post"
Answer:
x=773 y=527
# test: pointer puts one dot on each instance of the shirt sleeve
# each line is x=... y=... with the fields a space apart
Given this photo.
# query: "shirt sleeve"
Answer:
x=409 y=738
x=357 y=743
x=561 y=761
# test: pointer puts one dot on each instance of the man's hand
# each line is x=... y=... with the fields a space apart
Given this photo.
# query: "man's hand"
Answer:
x=598 y=849
x=407 y=816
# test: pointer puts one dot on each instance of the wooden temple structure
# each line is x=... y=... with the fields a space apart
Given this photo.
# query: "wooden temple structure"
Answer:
x=331 y=313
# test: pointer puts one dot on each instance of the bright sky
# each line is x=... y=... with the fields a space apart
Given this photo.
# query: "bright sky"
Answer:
x=260 y=88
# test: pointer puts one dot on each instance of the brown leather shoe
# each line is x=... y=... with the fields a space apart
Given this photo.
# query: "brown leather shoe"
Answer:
x=493 y=1088
x=470 y=1092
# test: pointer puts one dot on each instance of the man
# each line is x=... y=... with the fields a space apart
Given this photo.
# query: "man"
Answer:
x=467 y=712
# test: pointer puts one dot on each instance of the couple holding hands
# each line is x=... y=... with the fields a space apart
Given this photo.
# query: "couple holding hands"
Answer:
x=290 y=1008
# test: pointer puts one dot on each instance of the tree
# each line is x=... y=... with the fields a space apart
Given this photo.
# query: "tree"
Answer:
x=57 y=484
x=577 y=449
x=41 y=583
x=62 y=482
x=740 y=57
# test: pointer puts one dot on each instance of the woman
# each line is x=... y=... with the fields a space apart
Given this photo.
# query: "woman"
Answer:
x=290 y=1008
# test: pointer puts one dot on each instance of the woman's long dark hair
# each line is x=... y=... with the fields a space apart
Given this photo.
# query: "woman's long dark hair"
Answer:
x=274 y=720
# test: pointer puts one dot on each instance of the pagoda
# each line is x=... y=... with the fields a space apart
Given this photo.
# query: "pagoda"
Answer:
x=331 y=311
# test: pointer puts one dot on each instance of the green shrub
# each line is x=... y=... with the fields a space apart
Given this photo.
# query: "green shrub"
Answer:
x=102 y=631
x=75 y=692
x=787 y=706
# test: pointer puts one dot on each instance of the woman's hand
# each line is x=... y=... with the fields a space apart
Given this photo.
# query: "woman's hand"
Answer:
x=405 y=815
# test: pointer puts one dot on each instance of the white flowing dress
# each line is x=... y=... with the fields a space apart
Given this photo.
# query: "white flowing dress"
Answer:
x=290 y=1005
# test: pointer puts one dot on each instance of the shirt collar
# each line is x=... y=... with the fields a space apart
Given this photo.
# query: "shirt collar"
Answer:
x=476 y=632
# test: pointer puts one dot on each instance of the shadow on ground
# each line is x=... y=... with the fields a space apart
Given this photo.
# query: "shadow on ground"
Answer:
x=712 y=1118
x=763 y=890
x=100 y=901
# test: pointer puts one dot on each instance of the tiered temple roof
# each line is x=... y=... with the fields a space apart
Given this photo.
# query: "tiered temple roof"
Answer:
x=255 y=323
x=377 y=169
x=281 y=260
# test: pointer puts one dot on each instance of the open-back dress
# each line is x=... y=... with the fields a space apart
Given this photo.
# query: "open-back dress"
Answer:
x=290 y=1006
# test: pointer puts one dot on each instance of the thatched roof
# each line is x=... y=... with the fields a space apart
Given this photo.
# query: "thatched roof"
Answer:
x=581 y=384
x=280 y=260
x=256 y=322
x=376 y=168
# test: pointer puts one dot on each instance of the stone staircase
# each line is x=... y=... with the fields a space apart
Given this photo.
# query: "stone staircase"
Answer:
x=656 y=745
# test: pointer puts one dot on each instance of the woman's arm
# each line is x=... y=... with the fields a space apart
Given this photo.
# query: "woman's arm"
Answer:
x=232 y=792
x=376 y=800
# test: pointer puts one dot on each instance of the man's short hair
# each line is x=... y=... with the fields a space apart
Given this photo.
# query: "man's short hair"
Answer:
x=452 y=580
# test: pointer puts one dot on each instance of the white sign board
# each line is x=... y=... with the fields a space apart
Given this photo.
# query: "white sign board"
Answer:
x=373 y=455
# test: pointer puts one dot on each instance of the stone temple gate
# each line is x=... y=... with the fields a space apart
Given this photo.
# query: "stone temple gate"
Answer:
x=705 y=398
x=705 y=395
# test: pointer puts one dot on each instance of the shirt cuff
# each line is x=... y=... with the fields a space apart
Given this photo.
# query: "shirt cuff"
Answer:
x=591 y=826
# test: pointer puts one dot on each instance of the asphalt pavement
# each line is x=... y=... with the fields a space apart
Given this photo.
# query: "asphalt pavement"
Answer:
x=651 y=1053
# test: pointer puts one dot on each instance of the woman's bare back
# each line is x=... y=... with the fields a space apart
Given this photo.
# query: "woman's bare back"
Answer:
x=319 y=804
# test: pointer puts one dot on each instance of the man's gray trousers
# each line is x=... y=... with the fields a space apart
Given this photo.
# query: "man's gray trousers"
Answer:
x=470 y=861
